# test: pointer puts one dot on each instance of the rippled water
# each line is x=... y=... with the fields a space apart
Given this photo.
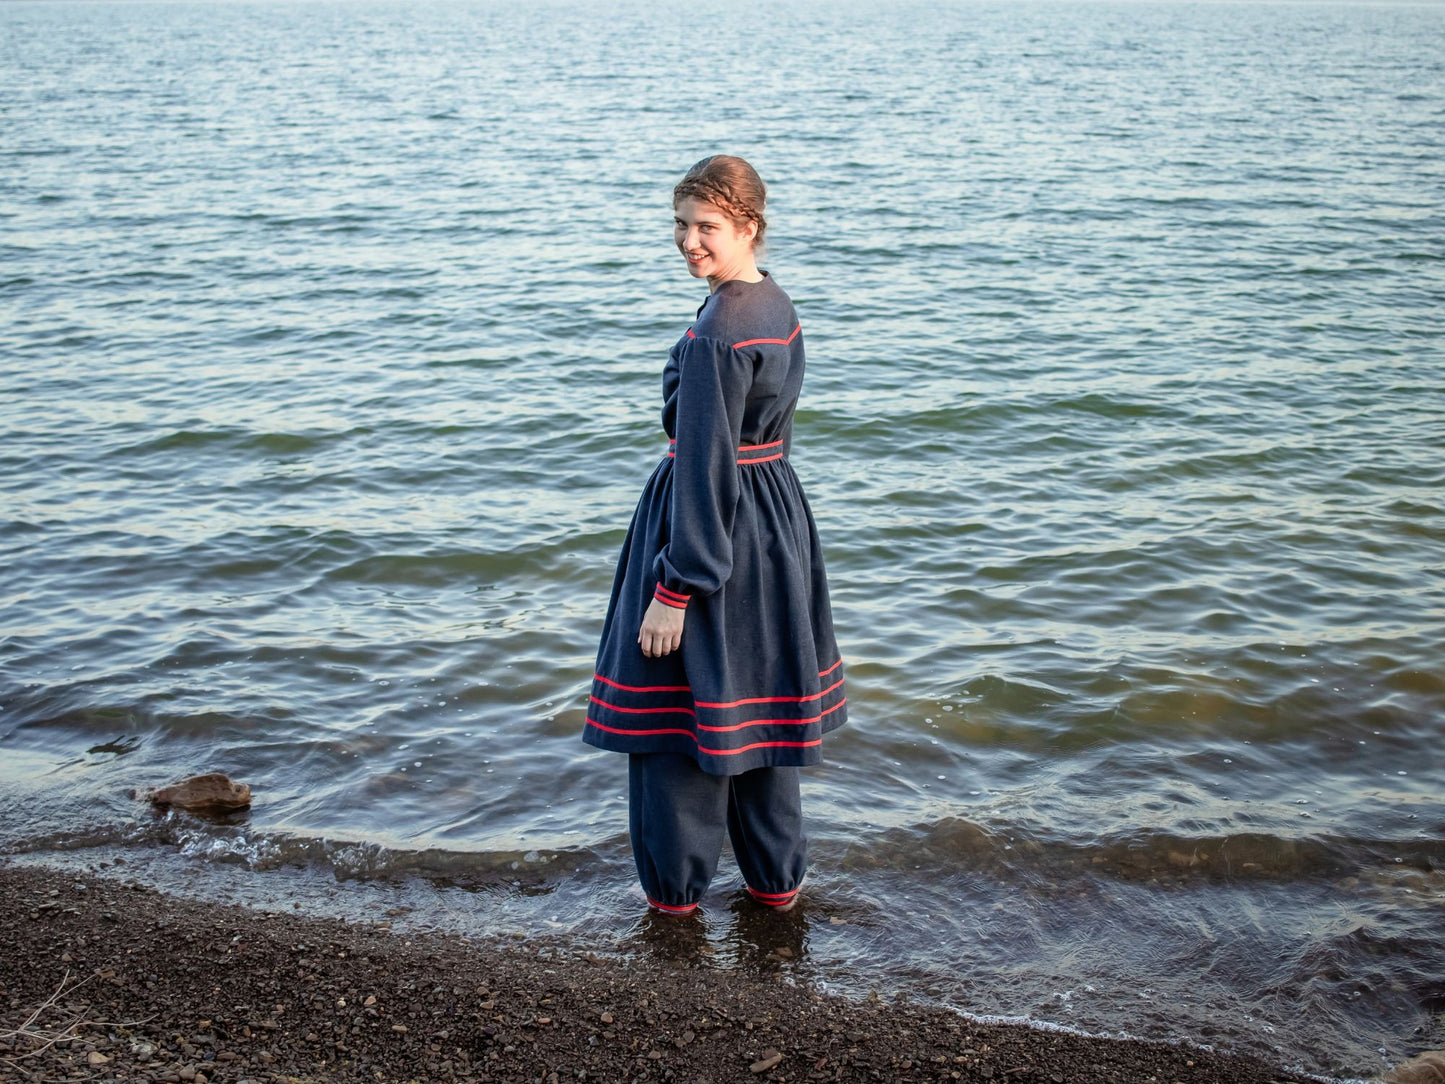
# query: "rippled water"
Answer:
x=332 y=338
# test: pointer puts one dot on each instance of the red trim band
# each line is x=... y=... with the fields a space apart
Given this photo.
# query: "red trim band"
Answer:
x=675 y=599
x=772 y=898
x=643 y=688
x=644 y=711
x=778 y=342
x=701 y=748
x=759 y=342
x=770 y=699
x=688 y=688
x=765 y=722
x=687 y=909
x=639 y=733
x=743 y=448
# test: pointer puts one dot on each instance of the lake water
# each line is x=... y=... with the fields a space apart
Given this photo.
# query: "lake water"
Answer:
x=332 y=337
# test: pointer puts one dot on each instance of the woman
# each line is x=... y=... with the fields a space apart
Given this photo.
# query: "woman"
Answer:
x=718 y=671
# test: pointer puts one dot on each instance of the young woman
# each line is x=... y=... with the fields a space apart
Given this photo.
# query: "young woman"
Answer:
x=718 y=671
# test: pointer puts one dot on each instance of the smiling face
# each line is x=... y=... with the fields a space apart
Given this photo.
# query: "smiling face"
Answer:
x=715 y=247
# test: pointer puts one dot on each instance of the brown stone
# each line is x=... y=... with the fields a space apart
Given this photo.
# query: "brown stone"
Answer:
x=1428 y=1068
x=207 y=794
x=766 y=1062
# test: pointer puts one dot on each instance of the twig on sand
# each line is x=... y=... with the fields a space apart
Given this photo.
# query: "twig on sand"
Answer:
x=48 y=1036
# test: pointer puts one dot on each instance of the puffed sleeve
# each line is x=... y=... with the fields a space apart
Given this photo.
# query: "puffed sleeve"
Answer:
x=713 y=385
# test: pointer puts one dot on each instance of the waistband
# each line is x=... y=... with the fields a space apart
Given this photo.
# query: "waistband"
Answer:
x=747 y=453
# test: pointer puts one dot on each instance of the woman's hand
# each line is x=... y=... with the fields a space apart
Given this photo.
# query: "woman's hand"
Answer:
x=661 y=630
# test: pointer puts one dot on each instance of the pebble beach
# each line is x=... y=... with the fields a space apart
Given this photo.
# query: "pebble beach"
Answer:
x=108 y=979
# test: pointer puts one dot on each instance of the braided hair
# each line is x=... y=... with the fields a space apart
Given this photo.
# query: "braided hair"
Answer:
x=729 y=184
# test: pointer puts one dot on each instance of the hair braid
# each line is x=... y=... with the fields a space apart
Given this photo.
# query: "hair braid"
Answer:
x=731 y=185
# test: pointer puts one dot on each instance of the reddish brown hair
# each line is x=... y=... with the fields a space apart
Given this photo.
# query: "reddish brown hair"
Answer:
x=730 y=185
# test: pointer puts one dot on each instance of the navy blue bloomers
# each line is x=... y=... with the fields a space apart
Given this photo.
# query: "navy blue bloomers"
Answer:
x=723 y=530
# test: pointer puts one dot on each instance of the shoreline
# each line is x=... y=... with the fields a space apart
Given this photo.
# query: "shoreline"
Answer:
x=103 y=979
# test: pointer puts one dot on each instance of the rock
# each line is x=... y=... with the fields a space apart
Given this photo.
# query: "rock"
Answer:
x=206 y=794
x=769 y=1059
x=1428 y=1068
x=97 y=1058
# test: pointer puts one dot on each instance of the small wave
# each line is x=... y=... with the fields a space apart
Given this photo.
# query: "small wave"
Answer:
x=239 y=844
x=1141 y=856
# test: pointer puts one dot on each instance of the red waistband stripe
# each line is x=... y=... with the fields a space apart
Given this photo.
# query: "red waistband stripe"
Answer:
x=747 y=453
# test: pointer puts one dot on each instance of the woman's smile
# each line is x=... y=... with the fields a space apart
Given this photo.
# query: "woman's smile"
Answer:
x=713 y=245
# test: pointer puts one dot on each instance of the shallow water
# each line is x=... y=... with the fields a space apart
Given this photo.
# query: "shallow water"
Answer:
x=332 y=341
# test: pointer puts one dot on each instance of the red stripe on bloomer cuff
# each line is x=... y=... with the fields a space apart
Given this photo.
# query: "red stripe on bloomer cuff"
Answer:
x=772 y=897
x=686 y=909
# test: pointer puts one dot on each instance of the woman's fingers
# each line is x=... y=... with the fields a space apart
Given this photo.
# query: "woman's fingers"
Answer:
x=661 y=631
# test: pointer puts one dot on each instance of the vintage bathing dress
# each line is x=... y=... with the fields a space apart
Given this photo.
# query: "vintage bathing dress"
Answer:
x=724 y=531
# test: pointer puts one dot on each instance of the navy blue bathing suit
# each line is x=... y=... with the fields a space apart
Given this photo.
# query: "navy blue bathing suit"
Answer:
x=724 y=531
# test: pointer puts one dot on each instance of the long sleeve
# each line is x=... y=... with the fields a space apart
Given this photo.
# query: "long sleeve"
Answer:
x=714 y=381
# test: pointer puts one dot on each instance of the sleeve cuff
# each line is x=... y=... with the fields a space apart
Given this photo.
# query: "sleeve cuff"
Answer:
x=671 y=598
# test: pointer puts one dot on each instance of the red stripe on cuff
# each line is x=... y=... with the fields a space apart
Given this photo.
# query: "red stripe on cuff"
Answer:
x=675 y=599
x=772 y=897
x=685 y=910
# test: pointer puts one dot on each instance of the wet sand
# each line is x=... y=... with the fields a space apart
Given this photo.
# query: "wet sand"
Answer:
x=101 y=979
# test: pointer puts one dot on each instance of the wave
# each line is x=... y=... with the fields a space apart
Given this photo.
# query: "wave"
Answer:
x=367 y=860
x=948 y=847
x=954 y=844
